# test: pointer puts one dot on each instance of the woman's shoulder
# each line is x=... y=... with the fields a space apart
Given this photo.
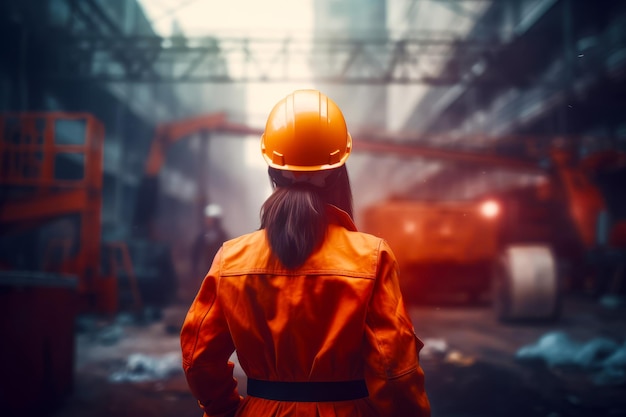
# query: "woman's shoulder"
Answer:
x=251 y=238
x=359 y=241
x=243 y=253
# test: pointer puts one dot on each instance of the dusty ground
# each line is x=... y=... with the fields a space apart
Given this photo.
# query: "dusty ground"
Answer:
x=469 y=361
x=481 y=371
x=107 y=384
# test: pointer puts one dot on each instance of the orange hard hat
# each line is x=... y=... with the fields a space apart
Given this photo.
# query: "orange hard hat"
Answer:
x=306 y=131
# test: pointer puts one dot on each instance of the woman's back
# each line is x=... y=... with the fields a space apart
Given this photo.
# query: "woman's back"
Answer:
x=305 y=324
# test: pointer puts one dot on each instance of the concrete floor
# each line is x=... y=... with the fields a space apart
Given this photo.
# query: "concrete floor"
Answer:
x=480 y=372
x=469 y=360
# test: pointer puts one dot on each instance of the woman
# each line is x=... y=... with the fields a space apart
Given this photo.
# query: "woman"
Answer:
x=312 y=307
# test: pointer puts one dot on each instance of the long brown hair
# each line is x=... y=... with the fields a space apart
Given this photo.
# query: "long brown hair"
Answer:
x=294 y=216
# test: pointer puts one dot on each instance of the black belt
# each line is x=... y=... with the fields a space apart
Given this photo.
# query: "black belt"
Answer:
x=307 y=391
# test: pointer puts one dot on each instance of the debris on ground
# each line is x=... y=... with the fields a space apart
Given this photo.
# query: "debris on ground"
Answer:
x=603 y=358
x=141 y=368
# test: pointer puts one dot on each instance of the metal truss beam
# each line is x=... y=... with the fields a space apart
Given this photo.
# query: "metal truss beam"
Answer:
x=431 y=58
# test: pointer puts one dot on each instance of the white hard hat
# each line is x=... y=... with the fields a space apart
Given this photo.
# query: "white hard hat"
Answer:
x=213 y=210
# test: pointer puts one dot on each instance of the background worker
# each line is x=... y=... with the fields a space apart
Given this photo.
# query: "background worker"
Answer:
x=208 y=241
x=312 y=306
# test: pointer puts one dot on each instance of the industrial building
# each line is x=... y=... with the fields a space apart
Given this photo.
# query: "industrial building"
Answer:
x=118 y=140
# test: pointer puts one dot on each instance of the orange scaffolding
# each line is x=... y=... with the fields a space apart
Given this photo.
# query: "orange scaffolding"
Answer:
x=34 y=191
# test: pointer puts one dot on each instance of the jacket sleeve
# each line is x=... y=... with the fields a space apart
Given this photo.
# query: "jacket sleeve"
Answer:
x=206 y=348
x=394 y=377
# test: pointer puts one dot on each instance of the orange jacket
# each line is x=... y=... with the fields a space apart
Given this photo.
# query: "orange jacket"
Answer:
x=338 y=317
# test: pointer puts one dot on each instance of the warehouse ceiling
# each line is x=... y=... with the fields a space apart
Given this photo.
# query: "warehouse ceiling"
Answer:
x=460 y=75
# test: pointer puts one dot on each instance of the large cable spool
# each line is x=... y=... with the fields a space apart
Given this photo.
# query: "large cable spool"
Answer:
x=526 y=284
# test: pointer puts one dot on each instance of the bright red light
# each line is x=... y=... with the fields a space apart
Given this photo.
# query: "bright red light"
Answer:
x=490 y=208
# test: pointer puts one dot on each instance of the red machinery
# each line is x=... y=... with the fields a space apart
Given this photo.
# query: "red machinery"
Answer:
x=46 y=175
x=512 y=244
x=51 y=193
x=167 y=134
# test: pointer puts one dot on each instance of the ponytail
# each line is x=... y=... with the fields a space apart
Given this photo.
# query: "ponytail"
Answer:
x=294 y=216
x=295 y=221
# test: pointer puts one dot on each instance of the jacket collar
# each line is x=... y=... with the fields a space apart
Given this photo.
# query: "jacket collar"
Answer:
x=340 y=217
